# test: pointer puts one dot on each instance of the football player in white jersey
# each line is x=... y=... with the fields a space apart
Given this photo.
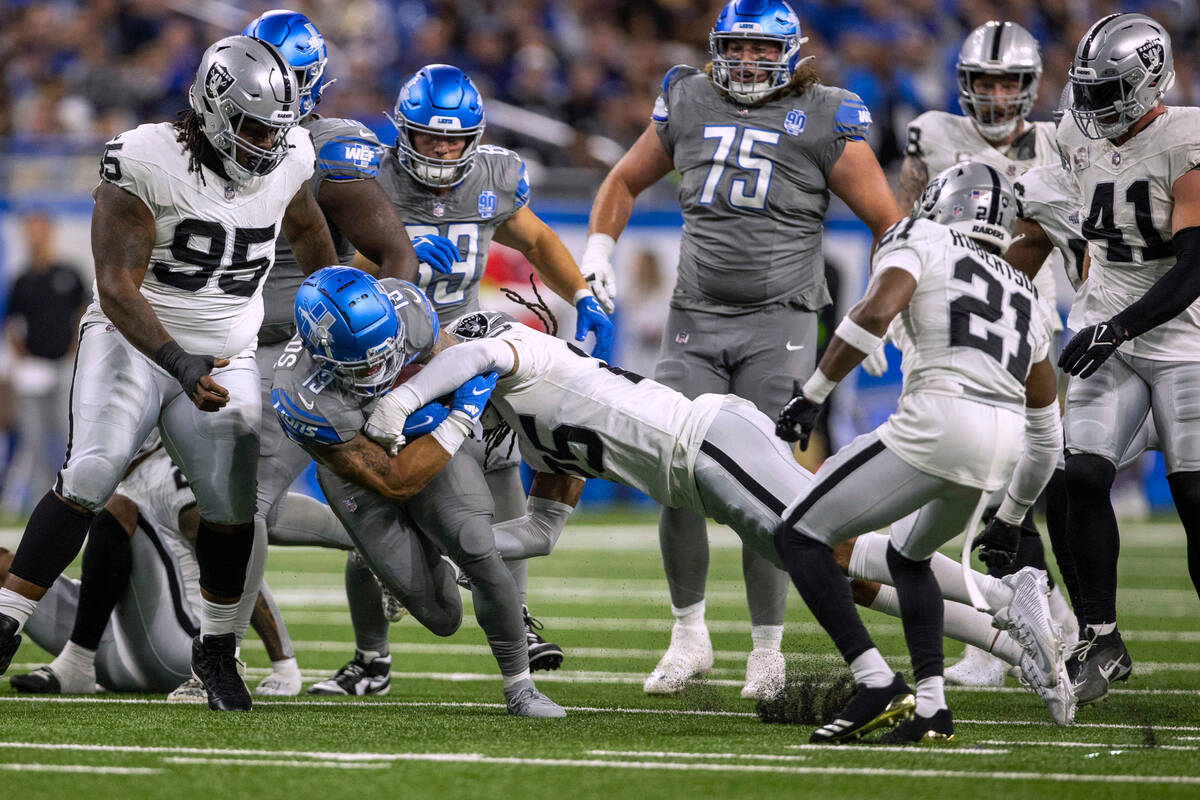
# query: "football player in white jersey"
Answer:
x=129 y=621
x=183 y=233
x=976 y=377
x=999 y=70
x=1137 y=349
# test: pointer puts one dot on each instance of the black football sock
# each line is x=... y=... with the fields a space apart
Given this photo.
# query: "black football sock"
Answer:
x=52 y=539
x=222 y=558
x=1060 y=544
x=1093 y=536
x=107 y=564
x=1185 y=491
x=921 y=612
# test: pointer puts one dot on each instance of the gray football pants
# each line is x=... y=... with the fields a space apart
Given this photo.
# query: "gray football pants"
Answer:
x=865 y=486
x=403 y=546
x=147 y=644
x=755 y=356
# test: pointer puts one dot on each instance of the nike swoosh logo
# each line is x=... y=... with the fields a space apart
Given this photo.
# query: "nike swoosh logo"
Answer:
x=791 y=346
x=1108 y=669
x=306 y=404
x=427 y=419
x=478 y=392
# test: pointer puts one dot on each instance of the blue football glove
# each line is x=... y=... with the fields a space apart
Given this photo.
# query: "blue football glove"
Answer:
x=472 y=396
x=436 y=251
x=590 y=317
x=424 y=420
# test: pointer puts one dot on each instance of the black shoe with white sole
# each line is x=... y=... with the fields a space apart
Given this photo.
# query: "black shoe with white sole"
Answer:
x=868 y=710
x=1098 y=662
x=215 y=663
x=358 y=678
x=542 y=654
x=41 y=681
x=10 y=640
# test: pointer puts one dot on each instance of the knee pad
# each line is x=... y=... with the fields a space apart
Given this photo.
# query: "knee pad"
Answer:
x=474 y=542
x=90 y=480
x=1089 y=474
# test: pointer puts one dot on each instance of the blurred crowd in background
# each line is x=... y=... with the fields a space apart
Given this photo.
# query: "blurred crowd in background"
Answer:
x=92 y=68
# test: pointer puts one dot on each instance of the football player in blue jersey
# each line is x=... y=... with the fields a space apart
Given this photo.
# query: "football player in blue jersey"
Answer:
x=457 y=195
x=760 y=144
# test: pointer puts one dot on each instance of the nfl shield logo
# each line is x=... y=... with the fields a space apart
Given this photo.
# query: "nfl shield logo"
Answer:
x=229 y=191
x=487 y=204
x=1116 y=159
x=681 y=337
x=794 y=122
x=350 y=504
x=439 y=209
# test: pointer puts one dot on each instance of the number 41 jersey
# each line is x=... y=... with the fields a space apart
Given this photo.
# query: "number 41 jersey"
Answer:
x=214 y=242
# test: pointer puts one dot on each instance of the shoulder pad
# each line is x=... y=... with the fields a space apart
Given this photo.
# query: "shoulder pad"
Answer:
x=481 y=325
x=679 y=70
x=301 y=426
x=852 y=118
x=350 y=153
x=417 y=312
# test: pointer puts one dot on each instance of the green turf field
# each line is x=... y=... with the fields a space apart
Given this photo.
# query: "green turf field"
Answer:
x=442 y=731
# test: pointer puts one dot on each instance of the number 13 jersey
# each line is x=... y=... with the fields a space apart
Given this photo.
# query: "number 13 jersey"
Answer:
x=971 y=331
x=214 y=242
x=1128 y=200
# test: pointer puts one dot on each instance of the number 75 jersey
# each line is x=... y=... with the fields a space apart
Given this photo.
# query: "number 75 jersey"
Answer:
x=973 y=327
x=1128 y=200
x=213 y=243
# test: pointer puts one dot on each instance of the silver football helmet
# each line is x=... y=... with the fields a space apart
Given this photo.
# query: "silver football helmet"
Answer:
x=998 y=48
x=974 y=198
x=246 y=98
x=1122 y=68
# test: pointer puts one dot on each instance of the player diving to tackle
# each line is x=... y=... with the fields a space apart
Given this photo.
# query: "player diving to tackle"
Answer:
x=183 y=233
x=976 y=378
x=760 y=144
x=357 y=335
x=457 y=196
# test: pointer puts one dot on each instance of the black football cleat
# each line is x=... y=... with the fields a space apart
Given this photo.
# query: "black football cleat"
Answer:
x=41 y=681
x=214 y=662
x=542 y=654
x=868 y=710
x=358 y=678
x=919 y=730
x=1098 y=662
x=10 y=640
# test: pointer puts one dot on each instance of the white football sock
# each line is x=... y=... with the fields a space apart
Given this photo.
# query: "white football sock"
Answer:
x=1059 y=608
x=766 y=637
x=962 y=623
x=217 y=618
x=286 y=667
x=871 y=670
x=75 y=659
x=17 y=606
x=689 y=616
x=931 y=696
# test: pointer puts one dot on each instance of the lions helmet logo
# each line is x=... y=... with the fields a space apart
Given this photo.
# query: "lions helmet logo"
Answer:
x=1151 y=55
x=218 y=81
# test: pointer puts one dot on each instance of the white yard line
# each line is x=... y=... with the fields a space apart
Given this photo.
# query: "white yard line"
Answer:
x=270 y=762
x=824 y=748
x=96 y=770
x=1091 y=745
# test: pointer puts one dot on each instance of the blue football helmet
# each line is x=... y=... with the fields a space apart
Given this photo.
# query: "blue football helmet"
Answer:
x=301 y=45
x=349 y=325
x=439 y=100
x=760 y=20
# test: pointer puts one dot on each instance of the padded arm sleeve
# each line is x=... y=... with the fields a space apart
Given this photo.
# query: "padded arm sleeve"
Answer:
x=1043 y=441
x=1174 y=291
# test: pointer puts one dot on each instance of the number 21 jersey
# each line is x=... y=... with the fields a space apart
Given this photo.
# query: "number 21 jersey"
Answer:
x=214 y=242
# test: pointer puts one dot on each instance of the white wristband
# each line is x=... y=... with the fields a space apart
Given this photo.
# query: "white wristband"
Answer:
x=818 y=387
x=582 y=293
x=857 y=337
x=453 y=431
x=600 y=244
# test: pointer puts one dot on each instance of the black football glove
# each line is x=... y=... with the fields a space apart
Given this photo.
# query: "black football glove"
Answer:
x=187 y=368
x=997 y=543
x=1091 y=347
x=796 y=421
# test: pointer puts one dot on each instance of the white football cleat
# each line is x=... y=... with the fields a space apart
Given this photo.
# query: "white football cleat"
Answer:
x=524 y=700
x=284 y=680
x=689 y=656
x=1027 y=619
x=1058 y=694
x=978 y=667
x=764 y=674
x=190 y=691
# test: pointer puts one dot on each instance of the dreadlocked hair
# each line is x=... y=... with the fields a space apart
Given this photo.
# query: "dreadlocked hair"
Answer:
x=190 y=134
x=495 y=437
x=805 y=76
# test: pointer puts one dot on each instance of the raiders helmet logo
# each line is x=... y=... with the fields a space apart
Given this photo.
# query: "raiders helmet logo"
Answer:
x=218 y=81
x=1151 y=55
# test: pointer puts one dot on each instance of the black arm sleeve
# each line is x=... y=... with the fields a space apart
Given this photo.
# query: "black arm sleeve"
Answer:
x=1174 y=291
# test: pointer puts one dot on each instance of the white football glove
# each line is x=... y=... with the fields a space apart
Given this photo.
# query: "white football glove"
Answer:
x=386 y=423
x=876 y=363
x=597 y=269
